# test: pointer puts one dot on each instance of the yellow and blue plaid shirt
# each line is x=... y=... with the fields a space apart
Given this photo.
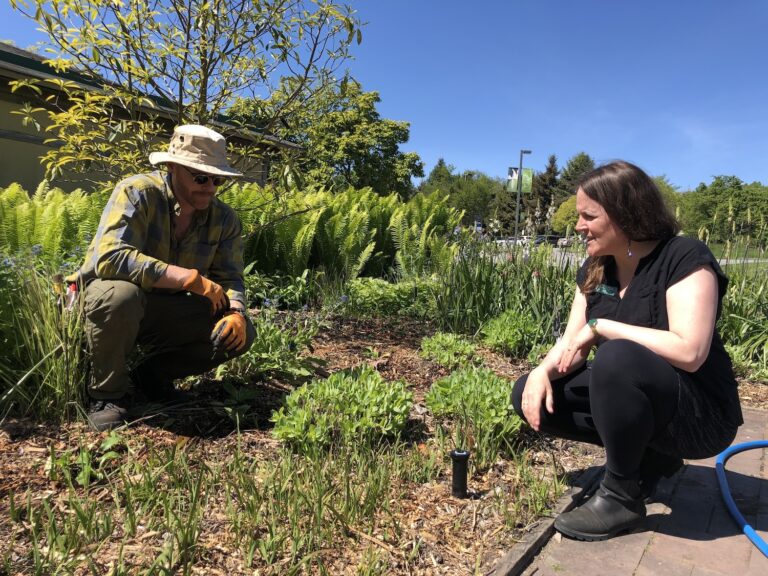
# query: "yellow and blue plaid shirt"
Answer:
x=135 y=240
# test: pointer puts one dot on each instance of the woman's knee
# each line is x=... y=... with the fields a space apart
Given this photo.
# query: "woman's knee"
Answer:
x=516 y=395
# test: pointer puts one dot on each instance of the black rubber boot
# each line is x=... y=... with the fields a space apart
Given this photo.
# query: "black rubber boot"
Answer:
x=617 y=506
x=653 y=468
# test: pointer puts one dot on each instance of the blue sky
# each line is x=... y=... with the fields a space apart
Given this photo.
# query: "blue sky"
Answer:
x=680 y=87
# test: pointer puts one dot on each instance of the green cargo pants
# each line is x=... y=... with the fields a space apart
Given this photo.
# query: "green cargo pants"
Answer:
x=173 y=330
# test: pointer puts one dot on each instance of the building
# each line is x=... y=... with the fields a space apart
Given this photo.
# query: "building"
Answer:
x=21 y=147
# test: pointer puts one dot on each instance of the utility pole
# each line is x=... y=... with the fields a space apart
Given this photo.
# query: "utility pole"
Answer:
x=519 y=189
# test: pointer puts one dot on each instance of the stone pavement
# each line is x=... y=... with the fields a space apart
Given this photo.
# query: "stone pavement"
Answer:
x=688 y=531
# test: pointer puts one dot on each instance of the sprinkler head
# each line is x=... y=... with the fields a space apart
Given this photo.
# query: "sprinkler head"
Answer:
x=460 y=459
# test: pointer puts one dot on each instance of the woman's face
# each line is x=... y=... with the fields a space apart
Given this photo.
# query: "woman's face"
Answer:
x=603 y=236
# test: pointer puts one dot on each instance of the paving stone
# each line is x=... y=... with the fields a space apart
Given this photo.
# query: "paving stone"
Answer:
x=728 y=554
x=689 y=531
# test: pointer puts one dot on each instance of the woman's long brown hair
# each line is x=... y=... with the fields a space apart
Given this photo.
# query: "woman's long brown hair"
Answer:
x=633 y=202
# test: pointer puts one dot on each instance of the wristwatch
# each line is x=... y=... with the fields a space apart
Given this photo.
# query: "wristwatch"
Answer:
x=593 y=326
x=236 y=311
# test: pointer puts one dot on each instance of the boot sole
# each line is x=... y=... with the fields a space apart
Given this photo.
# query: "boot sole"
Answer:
x=587 y=537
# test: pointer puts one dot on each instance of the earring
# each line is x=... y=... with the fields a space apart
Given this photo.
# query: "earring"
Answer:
x=629 y=249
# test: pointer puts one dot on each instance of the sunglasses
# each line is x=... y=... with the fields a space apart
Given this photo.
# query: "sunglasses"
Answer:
x=202 y=179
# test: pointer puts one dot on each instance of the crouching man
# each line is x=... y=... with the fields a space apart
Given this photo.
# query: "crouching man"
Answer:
x=165 y=272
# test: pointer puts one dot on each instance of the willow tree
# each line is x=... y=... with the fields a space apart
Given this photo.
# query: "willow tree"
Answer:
x=180 y=60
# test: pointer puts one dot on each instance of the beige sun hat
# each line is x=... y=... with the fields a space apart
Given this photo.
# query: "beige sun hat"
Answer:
x=199 y=148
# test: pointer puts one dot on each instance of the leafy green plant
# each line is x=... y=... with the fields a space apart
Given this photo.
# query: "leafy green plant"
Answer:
x=474 y=404
x=279 y=347
x=355 y=406
x=449 y=350
x=377 y=297
x=513 y=333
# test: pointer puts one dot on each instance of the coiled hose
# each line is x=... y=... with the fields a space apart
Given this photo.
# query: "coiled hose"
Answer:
x=726 y=492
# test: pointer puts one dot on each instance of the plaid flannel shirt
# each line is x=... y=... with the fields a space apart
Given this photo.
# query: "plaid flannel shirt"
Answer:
x=135 y=240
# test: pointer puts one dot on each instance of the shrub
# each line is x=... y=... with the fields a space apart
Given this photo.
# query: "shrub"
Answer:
x=351 y=407
x=476 y=402
x=449 y=350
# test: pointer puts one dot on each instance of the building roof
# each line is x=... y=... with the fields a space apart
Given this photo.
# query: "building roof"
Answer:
x=16 y=64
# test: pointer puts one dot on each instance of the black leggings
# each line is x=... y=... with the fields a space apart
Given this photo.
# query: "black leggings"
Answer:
x=626 y=397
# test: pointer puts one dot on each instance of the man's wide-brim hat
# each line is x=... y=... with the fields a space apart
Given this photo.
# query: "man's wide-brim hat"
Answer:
x=198 y=148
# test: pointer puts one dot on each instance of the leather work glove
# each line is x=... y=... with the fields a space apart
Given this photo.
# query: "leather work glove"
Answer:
x=199 y=284
x=229 y=332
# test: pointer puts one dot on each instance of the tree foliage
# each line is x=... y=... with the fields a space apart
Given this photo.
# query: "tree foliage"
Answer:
x=472 y=192
x=345 y=140
x=183 y=61
x=576 y=167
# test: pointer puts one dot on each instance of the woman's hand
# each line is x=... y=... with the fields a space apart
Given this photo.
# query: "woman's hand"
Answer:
x=538 y=391
x=577 y=349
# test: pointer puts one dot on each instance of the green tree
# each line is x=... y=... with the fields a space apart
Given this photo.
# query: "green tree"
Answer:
x=565 y=216
x=347 y=143
x=187 y=59
x=472 y=192
x=576 y=167
x=725 y=207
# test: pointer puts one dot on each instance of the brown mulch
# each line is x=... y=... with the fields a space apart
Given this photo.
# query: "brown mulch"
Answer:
x=436 y=533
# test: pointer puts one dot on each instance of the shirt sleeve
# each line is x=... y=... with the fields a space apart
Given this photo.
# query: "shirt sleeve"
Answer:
x=688 y=256
x=121 y=236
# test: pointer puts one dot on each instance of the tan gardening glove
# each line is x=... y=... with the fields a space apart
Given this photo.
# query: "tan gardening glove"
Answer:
x=199 y=284
x=229 y=332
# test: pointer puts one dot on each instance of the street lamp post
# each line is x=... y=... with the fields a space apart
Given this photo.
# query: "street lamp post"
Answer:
x=519 y=188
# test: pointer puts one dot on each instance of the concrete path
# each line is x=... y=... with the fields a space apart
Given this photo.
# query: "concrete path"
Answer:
x=688 y=531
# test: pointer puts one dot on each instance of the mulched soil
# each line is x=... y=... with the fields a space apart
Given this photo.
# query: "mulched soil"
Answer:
x=451 y=536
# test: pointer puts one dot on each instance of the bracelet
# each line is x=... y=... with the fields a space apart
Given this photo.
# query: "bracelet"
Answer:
x=593 y=326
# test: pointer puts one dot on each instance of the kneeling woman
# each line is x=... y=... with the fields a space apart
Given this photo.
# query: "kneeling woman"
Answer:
x=661 y=386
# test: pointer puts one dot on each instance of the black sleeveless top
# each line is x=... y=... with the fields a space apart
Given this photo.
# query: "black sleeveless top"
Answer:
x=645 y=304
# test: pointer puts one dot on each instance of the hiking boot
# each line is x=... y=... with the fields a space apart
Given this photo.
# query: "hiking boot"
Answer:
x=616 y=507
x=107 y=414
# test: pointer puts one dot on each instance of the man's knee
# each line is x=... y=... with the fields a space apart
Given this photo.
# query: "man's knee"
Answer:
x=114 y=301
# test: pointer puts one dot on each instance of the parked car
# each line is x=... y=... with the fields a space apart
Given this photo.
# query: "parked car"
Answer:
x=546 y=239
x=565 y=242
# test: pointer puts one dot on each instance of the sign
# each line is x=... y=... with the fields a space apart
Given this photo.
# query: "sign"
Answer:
x=527 y=180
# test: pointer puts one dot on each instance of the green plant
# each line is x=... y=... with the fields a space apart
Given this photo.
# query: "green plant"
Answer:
x=355 y=406
x=43 y=363
x=449 y=350
x=279 y=347
x=377 y=297
x=513 y=333
x=473 y=288
x=475 y=405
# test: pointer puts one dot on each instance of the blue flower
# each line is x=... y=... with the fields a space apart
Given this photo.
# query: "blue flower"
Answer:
x=267 y=302
x=36 y=249
x=344 y=298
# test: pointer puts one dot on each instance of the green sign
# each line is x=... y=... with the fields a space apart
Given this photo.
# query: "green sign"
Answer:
x=527 y=180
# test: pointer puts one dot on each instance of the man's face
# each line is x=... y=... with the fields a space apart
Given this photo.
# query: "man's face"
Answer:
x=191 y=188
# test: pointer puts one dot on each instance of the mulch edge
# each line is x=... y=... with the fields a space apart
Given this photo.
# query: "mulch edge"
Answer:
x=522 y=554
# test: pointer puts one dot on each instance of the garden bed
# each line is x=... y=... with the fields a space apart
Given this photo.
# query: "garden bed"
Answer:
x=422 y=529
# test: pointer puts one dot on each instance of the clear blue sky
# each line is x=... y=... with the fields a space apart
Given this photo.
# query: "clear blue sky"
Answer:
x=680 y=87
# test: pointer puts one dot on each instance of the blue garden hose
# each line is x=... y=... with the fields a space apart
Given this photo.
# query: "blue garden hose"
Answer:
x=720 y=470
